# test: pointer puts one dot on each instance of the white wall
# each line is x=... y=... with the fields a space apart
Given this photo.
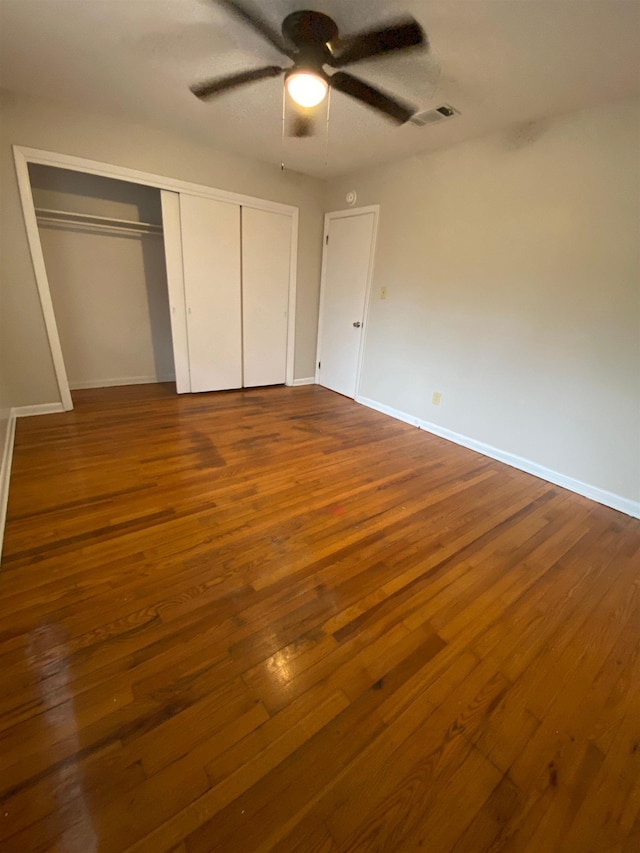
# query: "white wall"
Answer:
x=512 y=268
x=79 y=192
x=110 y=298
x=28 y=374
x=109 y=289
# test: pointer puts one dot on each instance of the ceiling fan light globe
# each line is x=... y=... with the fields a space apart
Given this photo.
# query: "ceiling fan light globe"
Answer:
x=306 y=89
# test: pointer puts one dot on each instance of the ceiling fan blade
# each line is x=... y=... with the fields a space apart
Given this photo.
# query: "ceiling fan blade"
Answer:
x=221 y=84
x=398 y=36
x=251 y=18
x=362 y=91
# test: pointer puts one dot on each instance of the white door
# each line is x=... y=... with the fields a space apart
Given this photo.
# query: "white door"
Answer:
x=175 y=281
x=346 y=269
x=211 y=265
x=266 y=259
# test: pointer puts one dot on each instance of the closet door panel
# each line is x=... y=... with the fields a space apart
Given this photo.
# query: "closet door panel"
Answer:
x=175 y=281
x=266 y=259
x=211 y=264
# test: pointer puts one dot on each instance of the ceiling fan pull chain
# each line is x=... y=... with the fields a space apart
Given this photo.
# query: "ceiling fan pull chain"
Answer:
x=326 y=146
x=284 y=103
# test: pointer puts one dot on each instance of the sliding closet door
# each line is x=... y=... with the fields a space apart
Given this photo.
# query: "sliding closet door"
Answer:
x=211 y=264
x=175 y=283
x=266 y=259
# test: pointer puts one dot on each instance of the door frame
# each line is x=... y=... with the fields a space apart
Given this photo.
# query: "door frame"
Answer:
x=328 y=217
x=23 y=156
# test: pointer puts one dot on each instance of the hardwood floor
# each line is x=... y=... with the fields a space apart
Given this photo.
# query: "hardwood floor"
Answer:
x=277 y=620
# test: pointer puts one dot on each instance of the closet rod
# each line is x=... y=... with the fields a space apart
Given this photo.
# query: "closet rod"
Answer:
x=88 y=220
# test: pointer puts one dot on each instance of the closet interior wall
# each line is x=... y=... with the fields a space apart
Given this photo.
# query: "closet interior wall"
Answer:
x=102 y=242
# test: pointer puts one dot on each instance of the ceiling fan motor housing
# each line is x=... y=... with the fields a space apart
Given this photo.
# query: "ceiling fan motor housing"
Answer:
x=309 y=29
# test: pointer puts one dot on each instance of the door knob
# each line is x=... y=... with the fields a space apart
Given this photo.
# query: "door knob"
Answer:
x=357 y=324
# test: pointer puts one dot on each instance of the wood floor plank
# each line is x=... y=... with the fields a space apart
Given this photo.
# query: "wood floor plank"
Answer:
x=274 y=620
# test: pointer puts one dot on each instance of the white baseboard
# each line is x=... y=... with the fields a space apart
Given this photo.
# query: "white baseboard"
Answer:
x=387 y=410
x=7 y=454
x=118 y=380
x=626 y=505
x=308 y=380
x=38 y=409
x=5 y=472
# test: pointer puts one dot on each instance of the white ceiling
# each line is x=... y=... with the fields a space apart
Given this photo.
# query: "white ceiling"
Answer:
x=499 y=62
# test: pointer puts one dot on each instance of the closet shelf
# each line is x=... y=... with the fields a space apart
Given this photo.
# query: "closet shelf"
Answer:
x=101 y=223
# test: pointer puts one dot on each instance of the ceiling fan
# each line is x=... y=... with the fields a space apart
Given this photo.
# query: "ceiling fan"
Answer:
x=311 y=41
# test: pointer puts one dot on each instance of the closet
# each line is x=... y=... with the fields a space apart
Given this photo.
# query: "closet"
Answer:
x=150 y=284
x=102 y=242
x=228 y=272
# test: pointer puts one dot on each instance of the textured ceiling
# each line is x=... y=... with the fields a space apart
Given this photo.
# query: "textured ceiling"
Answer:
x=499 y=62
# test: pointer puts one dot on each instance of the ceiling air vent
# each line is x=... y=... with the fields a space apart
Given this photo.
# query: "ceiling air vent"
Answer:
x=444 y=111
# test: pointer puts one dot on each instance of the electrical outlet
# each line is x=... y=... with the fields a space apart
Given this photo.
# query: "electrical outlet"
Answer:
x=383 y=293
x=437 y=396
